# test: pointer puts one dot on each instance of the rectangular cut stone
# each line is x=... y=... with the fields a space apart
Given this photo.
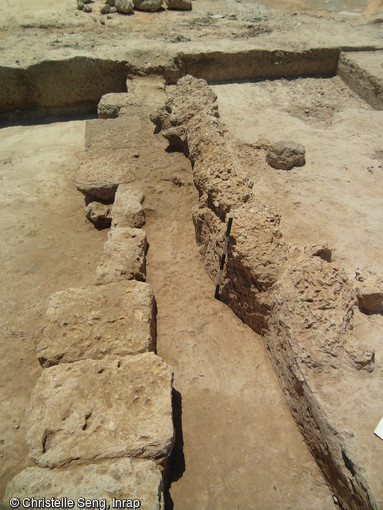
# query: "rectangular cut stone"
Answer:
x=91 y=322
x=120 y=479
x=123 y=257
x=101 y=409
x=127 y=210
x=113 y=134
x=100 y=172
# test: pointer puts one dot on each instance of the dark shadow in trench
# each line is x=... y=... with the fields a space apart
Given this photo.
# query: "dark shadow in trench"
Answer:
x=177 y=459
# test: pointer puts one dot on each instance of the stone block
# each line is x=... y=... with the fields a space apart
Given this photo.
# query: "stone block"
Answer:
x=127 y=209
x=110 y=105
x=121 y=479
x=101 y=409
x=123 y=257
x=92 y=322
x=116 y=134
x=100 y=172
x=99 y=214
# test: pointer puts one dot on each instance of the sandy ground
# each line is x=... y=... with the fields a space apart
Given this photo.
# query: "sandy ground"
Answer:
x=35 y=30
x=46 y=245
x=336 y=196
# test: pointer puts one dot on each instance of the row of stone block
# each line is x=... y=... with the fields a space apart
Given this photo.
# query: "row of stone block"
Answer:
x=100 y=416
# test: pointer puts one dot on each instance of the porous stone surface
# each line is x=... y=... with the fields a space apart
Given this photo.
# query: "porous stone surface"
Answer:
x=121 y=479
x=124 y=6
x=285 y=155
x=183 y=5
x=110 y=105
x=100 y=173
x=191 y=109
x=301 y=301
x=123 y=257
x=127 y=208
x=101 y=409
x=92 y=322
x=147 y=5
x=99 y=214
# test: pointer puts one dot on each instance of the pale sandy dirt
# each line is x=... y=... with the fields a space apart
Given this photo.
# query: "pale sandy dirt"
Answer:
x=336 y=196
x=35 y=30
x=46 y=245
x=241 y=446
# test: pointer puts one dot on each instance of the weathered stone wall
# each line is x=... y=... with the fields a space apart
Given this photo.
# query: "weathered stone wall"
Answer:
x=301 y=301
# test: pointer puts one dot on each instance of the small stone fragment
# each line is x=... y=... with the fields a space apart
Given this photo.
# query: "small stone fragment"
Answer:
x=80 y=5
x=87 y=8
x=285 y=155
x=183 y=5
x=96 y=482
x=369 y=292
x=127 y=210
x=105 y=9
x=123 y=257
x=113 y=10
x=110 y=105
x=148 y=5
x=361 y=357
x=99 y=214
x=124 y=6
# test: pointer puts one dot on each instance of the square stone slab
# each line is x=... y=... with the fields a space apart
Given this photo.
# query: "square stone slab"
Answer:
x=101 y=409
x=100 y=172
x=120 y=479
x=127 y=210
x=91 y=322
x=123 y=257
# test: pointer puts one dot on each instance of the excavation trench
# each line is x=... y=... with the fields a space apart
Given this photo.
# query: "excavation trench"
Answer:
x=79 y=82
x=238 y=445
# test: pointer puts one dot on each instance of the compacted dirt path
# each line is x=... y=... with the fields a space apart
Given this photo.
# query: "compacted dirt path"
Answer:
x=241 y=447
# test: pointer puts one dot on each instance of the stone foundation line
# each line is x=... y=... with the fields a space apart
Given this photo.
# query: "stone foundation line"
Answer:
x=300 y=300
x=99 y=423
